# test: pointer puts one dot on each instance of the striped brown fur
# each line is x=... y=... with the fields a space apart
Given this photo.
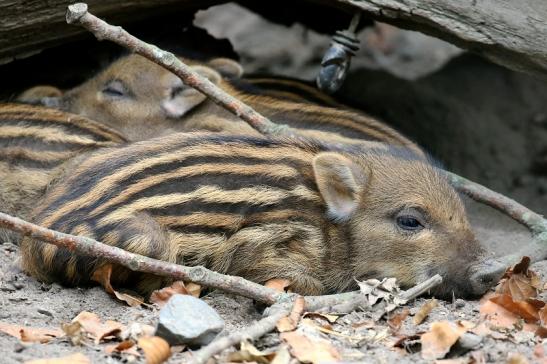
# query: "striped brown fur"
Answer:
x=319 y=215
x=35 y=145
x=143 y=100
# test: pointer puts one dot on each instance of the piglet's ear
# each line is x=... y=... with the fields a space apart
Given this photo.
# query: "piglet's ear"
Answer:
x=43 y=95
x=227 y=67
x=340 y=181
x=186 y=98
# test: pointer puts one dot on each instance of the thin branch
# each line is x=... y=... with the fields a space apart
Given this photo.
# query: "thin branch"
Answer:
x=78 y=14
x=421 y=288
x=289 y=323
x=280 y=312
x=253 y=332
x=535 y=222
x=135 y=262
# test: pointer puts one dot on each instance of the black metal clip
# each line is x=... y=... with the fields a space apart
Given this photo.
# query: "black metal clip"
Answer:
x=336 y=61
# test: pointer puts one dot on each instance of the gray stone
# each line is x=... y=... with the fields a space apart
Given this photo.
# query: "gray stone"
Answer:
x=188 y=320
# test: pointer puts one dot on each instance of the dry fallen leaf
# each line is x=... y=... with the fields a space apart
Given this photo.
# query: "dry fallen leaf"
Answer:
x=516 y=358
x=280 y=285
x=436 y=343
x=125 y=347
x=425 y=310
x=70 y=359
x=516 y=297
x=309 y=350
x=499 y=317
x=324 y=316
x=74 y=332
x=156 y=350
x=102 y=275
x=396 y=320
x=91 y=324
x=520 y=282
x=282 y=355
x=161 y=296
x=249 y=353
x=327 y=329
x=30 y=334
x=528 y=310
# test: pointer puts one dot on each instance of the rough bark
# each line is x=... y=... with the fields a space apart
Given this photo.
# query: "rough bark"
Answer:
x=27 y=27
x=511 y=33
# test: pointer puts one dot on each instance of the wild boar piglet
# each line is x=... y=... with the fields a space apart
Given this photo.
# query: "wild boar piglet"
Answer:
x=318 y=215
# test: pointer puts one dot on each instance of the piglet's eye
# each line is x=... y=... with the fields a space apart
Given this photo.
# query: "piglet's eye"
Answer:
x=115 y=88
x=409 y=223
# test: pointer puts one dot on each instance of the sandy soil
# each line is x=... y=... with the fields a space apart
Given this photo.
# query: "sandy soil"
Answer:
x=24 y=301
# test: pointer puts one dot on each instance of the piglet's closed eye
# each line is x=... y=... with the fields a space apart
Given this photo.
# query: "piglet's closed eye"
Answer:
x=340 y=181
x=182 y=98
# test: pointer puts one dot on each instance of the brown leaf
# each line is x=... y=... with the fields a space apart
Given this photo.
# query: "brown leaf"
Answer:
x=161 y=296
x=396 y=320
x=520 y=283
x=156 y=350
x=424 y=311
x=289 y=323
x=70 y=359
x=522 y=266
x=542 y=313
x=310 y=350
x=91 y=323
x=102 y=275
x=528 y=310
x=30 y=334
x=516 y=358
x=437 y=342
x=282 y=355
x=280 y=285
x=249 y=353
x=324 y=316
x=498 y=316
x=74 y=332
x=125 y=347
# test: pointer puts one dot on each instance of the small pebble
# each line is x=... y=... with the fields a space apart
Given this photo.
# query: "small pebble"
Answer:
x=459 y=303
x=19 y=347
x=8 y=287
x=18 y=285
x=45 y=312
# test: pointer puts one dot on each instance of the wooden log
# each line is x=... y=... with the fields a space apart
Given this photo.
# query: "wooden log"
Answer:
x=27 y=27
x=508 y=32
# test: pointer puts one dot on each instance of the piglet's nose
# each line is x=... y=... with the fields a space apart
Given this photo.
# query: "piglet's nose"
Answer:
x=485 y=275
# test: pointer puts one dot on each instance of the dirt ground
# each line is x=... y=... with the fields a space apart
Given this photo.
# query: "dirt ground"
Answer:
x=488 y=126
x=24 y=301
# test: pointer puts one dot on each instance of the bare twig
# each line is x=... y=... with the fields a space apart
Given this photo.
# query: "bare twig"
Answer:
x=253 y=332
x=135 y=262
x=313 y=303
x=535 y=222
x=421 y=288
x=289 y=323
x=78 y=14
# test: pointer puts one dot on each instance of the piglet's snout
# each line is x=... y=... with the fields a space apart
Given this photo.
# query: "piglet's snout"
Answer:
x=485 y=275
